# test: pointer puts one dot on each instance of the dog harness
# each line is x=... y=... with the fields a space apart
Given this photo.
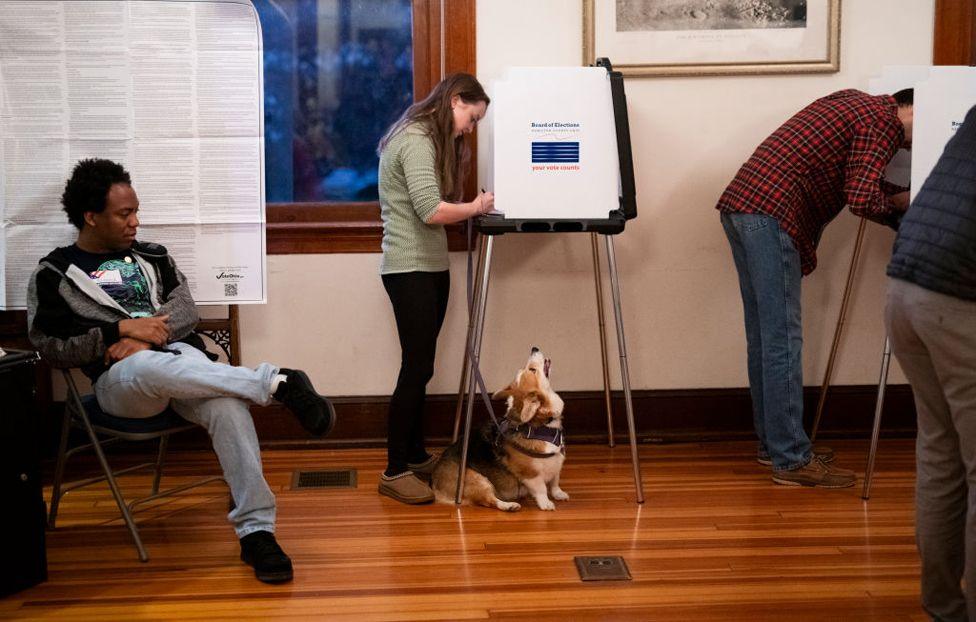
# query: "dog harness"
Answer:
x=536 y=433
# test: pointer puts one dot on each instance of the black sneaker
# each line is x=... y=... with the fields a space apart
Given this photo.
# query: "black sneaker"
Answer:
x=315 y=412
x=261 y=550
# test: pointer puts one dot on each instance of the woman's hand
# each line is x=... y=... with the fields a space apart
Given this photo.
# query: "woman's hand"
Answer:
x=484 y=203
x=448 y=213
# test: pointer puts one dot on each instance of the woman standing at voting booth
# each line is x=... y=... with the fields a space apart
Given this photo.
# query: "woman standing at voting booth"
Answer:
x=423 y=160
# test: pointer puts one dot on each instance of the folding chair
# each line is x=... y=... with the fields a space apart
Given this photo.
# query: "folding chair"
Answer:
x=83 y=412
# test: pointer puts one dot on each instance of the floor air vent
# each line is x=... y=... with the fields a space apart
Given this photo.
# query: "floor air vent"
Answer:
x=331 y=478
x=602 y=568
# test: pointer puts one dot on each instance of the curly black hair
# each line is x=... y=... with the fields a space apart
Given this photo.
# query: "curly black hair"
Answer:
x=87 y=190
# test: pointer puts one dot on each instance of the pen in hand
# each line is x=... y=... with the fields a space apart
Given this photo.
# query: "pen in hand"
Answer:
x=490 y=205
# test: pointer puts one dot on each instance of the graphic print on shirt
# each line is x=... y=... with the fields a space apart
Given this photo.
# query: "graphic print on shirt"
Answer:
x=125 y=283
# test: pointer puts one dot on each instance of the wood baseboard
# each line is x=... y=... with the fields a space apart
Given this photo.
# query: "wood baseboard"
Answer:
x=661 y=416
x=665 y=416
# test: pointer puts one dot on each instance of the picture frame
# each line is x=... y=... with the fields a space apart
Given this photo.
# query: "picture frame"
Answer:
x=713 y=37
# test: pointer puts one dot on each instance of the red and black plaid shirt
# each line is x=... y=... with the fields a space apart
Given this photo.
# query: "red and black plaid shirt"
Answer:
x=830 y=154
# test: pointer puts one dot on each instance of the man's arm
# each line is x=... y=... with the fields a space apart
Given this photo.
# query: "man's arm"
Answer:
x=177 y=302
x=871 y=151
x=54 y=328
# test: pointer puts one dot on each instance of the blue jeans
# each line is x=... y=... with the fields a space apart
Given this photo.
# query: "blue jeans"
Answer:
x=211 y=395
x=769 y=278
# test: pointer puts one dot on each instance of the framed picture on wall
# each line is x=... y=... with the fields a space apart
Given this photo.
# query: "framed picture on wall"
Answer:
x=713 y=37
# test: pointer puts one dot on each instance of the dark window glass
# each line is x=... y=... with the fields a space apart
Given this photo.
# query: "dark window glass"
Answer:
x=337 y=73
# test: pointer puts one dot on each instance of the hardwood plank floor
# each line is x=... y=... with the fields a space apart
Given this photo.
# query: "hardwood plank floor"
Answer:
x=715 y=540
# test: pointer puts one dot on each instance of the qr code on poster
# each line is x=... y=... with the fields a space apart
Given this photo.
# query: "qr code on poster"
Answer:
x=230 y=289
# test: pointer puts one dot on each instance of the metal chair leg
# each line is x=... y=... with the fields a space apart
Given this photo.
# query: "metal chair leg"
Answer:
x=59 y=468
x=601 y=320
x=158 y=471
x=624 y=369
x=475 y=357
x=109 y=477
x=876 y=428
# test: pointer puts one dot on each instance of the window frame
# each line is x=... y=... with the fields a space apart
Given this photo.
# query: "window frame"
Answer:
x=346 y=227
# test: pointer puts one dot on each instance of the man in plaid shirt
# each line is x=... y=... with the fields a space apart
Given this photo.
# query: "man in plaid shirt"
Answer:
x=830 y=154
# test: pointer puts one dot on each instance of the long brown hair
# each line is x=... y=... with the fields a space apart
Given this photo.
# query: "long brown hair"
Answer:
x=434 y=115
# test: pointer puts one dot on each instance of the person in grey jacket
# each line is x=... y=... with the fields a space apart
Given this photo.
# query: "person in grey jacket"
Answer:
x=931 y=319
x=122 y=311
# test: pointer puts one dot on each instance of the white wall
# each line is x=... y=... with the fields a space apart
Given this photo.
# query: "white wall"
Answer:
x=330 y=315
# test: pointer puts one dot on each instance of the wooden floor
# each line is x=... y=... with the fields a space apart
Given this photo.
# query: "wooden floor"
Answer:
x=715 y=540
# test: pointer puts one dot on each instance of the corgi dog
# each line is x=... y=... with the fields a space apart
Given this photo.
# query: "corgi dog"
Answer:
x=520 y=457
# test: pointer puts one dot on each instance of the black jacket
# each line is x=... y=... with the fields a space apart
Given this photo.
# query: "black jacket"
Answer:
x=936 y=243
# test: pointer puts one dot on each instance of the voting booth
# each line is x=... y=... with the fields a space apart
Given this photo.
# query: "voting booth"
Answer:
x=943 y=95
x=561 y=151
x=561 y=163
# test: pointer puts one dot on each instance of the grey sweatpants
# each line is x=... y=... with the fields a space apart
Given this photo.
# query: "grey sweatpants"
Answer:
x=933 y=337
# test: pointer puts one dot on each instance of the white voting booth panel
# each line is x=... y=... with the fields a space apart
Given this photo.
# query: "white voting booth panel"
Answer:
x=943 y=96
x=941 y=104
x=554 y=144
x=170 y=89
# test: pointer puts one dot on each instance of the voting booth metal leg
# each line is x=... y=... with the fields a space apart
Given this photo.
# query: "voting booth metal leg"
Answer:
x=481 y=296
x=466 y=365
x=838 y=329
x=624 y=369
x=601 y=320
x=876 y=428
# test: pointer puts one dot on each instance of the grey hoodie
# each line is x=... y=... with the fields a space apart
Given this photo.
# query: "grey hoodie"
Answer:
x=72 y=322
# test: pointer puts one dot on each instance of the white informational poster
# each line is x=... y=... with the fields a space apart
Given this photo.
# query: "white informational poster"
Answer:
x=554 y=144
x=943 y=96
x=170 y=89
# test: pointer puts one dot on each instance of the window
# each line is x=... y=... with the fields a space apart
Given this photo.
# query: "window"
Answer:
x=337 y=73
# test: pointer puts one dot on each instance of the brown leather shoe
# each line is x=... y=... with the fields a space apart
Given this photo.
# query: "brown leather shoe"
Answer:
x=406 y=488
x=826 y=455
x=817 y=474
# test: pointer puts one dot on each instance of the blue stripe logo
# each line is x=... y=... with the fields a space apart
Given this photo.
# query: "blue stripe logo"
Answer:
x=555 y=152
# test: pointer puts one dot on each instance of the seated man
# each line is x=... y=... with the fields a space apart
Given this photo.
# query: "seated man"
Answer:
x=122 y=311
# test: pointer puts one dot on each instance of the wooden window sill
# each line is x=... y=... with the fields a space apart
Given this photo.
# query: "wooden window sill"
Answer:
x=313 y=228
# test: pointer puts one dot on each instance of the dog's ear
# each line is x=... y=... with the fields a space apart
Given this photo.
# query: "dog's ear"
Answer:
x=530 y=405
x=505 y=393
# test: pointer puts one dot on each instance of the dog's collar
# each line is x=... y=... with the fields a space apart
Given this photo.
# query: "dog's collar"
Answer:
x=536 y=433
x=541 y=433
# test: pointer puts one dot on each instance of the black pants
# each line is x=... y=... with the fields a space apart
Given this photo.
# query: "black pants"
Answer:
x=419 y=304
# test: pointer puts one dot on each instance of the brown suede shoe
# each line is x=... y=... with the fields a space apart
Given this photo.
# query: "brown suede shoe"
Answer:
x=817 y=474
x=426 y=467
x=406 y=488
x=826 y=455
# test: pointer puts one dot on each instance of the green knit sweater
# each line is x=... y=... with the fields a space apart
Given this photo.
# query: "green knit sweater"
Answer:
x=409 y=194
